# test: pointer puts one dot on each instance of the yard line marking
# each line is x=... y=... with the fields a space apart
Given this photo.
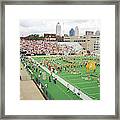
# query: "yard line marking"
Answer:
x=84 y=83
x=88 y=88
x=95 y=94
x=78 y=80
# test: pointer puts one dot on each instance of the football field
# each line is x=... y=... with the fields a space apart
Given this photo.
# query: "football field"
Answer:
x=73 y=71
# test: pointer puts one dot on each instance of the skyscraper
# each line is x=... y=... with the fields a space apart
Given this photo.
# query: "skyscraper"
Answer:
x=58 y=29
x=97 y=33
x=72 y=32
x=76 y=31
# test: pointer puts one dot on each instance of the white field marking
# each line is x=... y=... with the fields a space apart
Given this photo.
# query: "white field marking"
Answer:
x=83 y=83
x=95 y=94
x=79 y=79
x=75 y=83
x=88 y=88
x=71 y=87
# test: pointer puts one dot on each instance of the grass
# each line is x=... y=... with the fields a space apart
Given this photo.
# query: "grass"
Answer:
x=89 y=87
x=57 y=91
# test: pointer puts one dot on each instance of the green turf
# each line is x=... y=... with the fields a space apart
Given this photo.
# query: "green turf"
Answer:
x=59 y=92
x=55 y=91
x=89 y=87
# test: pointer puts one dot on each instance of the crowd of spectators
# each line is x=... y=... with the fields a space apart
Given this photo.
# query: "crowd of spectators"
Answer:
x=39 y=47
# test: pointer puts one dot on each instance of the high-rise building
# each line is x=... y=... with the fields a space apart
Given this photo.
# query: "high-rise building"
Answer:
x=58 y=29
x=97 y=33
x=72 y=32
x=76 y=31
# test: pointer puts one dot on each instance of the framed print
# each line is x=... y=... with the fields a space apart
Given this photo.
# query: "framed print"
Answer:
x=60 y=60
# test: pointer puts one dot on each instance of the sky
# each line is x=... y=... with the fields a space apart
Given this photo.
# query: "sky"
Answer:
x=39 y=26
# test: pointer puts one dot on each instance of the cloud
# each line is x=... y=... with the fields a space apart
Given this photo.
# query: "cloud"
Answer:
x=31 y=23
x=32 y=26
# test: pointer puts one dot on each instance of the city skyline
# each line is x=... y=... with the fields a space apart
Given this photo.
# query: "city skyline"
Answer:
x=40 y=27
